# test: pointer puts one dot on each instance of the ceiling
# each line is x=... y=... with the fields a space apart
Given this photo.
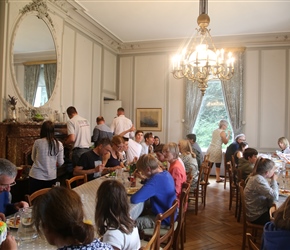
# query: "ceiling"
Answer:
x=136 y=21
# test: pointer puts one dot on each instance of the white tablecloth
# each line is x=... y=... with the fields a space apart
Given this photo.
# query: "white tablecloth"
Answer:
x=89 y=191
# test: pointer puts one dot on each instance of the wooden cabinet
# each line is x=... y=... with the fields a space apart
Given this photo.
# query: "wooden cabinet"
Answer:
x=17 y=139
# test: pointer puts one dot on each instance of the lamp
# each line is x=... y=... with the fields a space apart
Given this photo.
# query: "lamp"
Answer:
x=203 y=61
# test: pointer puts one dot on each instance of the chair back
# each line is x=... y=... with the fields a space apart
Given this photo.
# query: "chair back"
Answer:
x=272 y=209
x=242 y=195
x=33 y=196
x=152 y=243
x=167 y=238
x=178 y=233
x=251 y=244
x=78 y=180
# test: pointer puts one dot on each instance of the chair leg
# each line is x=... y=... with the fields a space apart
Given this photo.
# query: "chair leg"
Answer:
x=244 y=237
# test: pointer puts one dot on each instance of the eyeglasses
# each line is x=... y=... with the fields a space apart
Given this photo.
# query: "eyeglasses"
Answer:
x=5 y=186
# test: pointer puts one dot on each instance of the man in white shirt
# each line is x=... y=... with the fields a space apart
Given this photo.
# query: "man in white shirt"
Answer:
x=122 y=123
x=79 y=134
x=147 y=145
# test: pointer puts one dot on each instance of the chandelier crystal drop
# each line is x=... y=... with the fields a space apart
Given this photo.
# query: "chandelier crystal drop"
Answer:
x=201 y=61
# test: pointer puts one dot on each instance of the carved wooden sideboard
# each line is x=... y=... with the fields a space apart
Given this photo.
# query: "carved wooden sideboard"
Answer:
x=17 y=139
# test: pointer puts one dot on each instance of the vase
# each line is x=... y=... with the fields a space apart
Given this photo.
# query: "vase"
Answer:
x=13 y=115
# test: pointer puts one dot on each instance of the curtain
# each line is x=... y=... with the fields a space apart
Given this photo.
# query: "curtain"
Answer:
x=31 y=77
x=233 y=94
x=193 y=99
x=49 y=78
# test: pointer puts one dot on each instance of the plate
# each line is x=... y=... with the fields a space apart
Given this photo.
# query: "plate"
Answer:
x=131 y=191
x=10 y=222
x=284 y=192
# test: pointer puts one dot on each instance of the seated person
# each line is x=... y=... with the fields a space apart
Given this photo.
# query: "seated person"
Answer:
x=160 y=156
x=259 y=194
x=247 y=162
x=284 y=146
x=112 y=217
x=8 y=172
x=239 y=153
x=115 y=160
x=59 y=216
x=276 y=233
x=158 y=188
x=189 y=160
x=92 y=163
x=233 y=147
x=195 y=148
x=176 y=167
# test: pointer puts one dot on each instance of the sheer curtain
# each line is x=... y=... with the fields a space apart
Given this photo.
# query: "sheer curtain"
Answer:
x=31 y=77
x=233 y=94
x=193 y=99
x=49 y=78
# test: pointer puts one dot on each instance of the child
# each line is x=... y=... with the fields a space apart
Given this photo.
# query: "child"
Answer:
x=58 y=214
x=112 y=217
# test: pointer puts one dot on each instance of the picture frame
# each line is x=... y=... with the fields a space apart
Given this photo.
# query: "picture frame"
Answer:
x=149 y=119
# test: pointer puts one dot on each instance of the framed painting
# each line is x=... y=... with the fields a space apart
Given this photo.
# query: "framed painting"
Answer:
x=149 y=119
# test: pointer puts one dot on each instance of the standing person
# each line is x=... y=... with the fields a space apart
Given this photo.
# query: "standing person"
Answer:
x=122 y=123
x=8 y=172
x=59 y=215
x=47 y=154
x=276 y=233
x=195 y=148
x=176 y=169
x=233 y=147
x=92 y=163
x=260 y=193
x=79 y=134
x=156 y=141
x=219 y=137
x=158 y=188
x=112 y=217
x=101 y=130
x=147 y=144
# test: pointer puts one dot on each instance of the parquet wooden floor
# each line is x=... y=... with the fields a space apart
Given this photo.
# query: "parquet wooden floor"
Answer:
x=215 y=226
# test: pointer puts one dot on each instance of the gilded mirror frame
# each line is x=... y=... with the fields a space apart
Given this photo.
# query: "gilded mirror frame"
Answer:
x=39 y=9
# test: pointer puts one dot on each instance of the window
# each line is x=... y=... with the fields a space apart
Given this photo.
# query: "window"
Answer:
x=212 y=110
x=41 y=94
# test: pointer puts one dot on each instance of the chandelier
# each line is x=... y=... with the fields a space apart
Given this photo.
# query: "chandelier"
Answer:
x=202 y=61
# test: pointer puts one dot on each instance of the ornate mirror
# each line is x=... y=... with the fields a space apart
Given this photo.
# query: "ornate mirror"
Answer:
x=33 y=55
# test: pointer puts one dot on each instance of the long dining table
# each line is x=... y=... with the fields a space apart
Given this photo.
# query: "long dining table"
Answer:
x=87 y=192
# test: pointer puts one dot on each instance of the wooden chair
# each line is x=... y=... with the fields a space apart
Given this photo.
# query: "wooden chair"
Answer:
x=204 y=183
x=272 y=209
x=251 y=244
x=166 y=235
x=33 y=196
x=179 y=232
x=246 y=224
x=195 y=193
x=226 y=166
x=151 y=244
x=79 y=179
x=233 y=188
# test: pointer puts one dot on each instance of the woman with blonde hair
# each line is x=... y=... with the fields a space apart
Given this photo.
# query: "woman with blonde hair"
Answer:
x=189 y=160
x=284 y=145
x=176 y=169
x=219 y=137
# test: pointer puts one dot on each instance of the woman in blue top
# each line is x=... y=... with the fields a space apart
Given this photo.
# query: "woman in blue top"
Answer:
x=159 y=188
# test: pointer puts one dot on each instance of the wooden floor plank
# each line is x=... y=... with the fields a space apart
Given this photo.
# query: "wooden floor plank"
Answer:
x=215 y=226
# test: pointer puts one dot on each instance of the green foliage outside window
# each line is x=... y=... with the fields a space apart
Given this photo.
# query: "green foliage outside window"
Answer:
x=211 y=112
